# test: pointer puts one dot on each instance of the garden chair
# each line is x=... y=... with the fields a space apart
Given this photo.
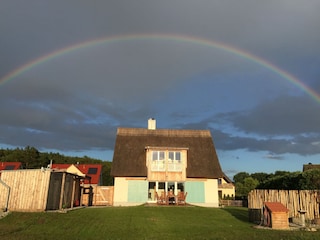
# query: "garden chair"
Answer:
x=182 y=198
x=161 y=199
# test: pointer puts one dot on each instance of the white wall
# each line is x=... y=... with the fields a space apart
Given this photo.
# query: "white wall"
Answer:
x=211 y=192
x=120 y=194
x=120 y=197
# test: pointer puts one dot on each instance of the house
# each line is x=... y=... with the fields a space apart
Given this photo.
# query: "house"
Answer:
x=10 y=165
x=91 y=172
x=310 y=166
x=226 y=188
x=149 y=162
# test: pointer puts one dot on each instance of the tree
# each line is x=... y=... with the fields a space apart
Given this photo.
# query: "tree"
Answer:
x=280 y=173
x=287 y=181
x=243 y=189
x=260 y=176
x=310 y=179
x=107 y=179
x=239 y=177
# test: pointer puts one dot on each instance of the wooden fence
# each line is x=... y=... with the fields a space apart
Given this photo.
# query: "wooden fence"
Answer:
x=294 y=200
x=233 y=203
x=28 y=190
x=101 y=196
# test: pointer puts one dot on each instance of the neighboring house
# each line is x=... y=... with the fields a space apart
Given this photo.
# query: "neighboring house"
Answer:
x=150 y=161
x=9 y=166
x=310 y=166
x=92 y=172
x=226 y=188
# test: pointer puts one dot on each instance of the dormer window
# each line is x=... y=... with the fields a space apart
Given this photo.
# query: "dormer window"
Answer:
x=175 y=156
x=158 y=155
x=166 y=160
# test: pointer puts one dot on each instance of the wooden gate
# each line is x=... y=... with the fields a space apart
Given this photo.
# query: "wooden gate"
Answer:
x=103 y=196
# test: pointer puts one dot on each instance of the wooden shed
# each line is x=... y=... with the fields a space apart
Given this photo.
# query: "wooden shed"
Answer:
x=38 y=190
x=275 y=215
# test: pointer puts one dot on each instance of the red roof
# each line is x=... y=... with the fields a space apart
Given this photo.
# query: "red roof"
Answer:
x=92 y=170
x=276 y=207
x=10 y=165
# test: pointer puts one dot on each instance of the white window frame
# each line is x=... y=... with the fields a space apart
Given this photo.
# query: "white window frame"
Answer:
x=160 y=160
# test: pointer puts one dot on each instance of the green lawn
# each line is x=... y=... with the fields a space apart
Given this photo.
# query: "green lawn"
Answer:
x=143 y=222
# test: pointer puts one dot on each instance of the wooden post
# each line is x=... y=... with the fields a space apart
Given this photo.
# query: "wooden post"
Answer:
x=81 y=195
x=73 y=189
x=62 y=190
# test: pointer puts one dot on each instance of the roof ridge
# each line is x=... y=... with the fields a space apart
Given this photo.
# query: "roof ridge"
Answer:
x=163 y=132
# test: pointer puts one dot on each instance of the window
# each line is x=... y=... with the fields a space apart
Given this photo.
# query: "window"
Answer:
x=92 y=170
x=175 y=156
x=9 y=167
x=158 y=158
x=158 y=155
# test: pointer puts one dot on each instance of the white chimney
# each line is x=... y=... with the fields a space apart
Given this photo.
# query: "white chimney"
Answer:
x=151 y=124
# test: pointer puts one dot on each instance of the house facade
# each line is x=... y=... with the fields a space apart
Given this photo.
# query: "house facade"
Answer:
x=226 y=188
x=149 y=162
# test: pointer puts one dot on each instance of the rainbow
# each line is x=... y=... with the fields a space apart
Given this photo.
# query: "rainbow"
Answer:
x=169 y=37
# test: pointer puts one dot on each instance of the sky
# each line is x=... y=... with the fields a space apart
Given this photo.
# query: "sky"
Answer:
x=73 y=71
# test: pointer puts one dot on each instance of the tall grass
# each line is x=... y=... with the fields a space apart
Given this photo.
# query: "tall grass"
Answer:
x=142 y=222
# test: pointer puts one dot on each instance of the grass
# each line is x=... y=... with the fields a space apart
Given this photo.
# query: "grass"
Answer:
x=142 y=222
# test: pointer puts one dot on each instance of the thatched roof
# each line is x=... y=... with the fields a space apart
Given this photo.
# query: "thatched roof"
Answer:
x=309 y=166
x=129 y=158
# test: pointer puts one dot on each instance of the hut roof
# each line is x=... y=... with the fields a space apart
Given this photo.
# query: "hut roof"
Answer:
x=276 y=207
x=129 y=158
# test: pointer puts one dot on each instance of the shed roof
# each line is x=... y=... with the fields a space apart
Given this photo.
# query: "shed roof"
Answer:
x=129 y=159
x=276 y=207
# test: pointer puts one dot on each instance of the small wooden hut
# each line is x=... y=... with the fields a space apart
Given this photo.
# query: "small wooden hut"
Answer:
x=39 y=190
x=275 y=215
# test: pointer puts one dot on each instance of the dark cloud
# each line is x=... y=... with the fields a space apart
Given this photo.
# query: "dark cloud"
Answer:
x=76 y=101
x=297 y=145
x=284 y=125
x=285 y=115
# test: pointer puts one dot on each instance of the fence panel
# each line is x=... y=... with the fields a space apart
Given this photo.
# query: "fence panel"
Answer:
x=103 y=195
x=294 y=200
